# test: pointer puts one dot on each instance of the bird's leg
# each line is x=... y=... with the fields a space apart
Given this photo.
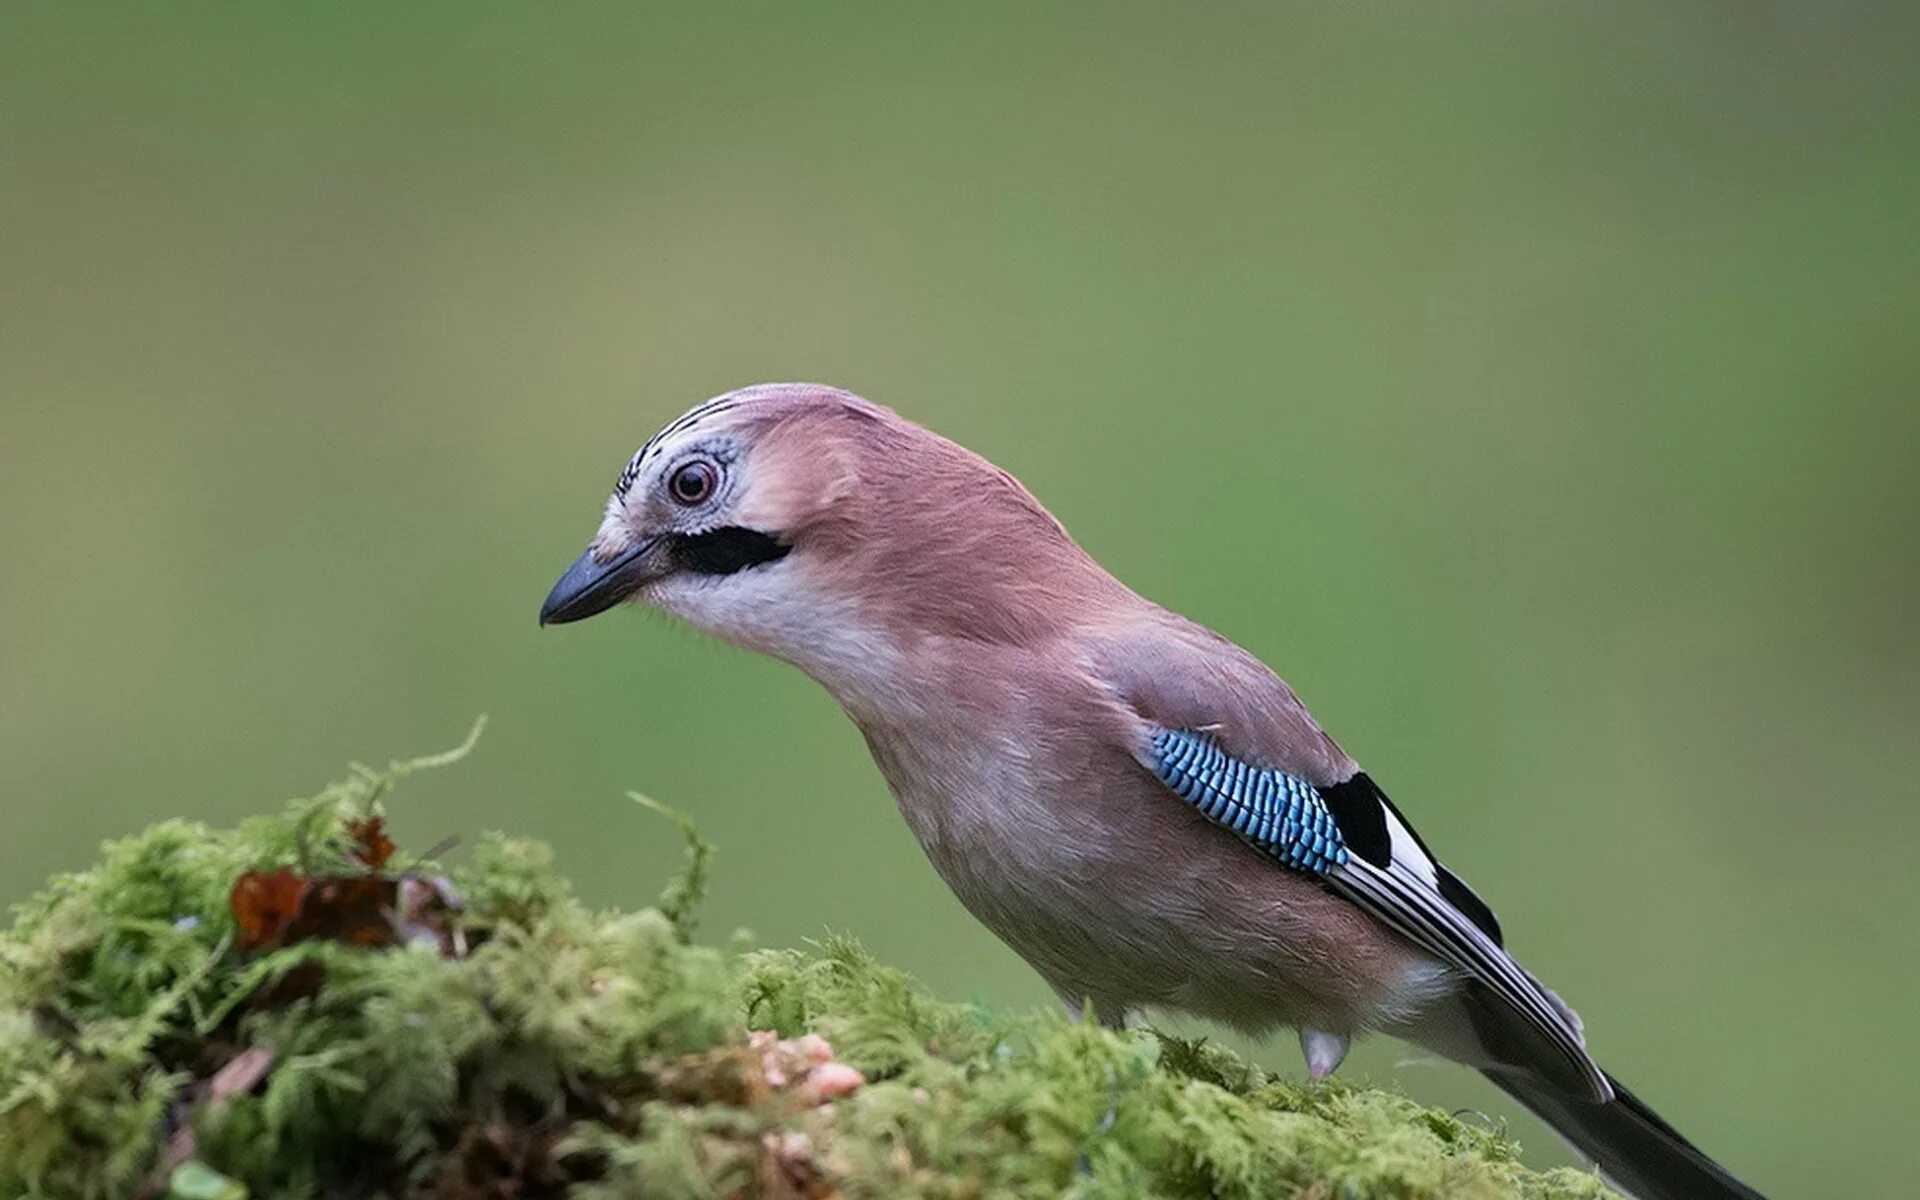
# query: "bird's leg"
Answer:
x=1324 y=1051
x=1112 y=1016
x=1108 y=1013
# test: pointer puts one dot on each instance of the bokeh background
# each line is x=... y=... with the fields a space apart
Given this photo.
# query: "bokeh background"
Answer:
x=1534 y=385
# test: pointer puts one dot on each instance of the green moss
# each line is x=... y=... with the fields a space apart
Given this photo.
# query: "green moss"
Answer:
x=516 y=1043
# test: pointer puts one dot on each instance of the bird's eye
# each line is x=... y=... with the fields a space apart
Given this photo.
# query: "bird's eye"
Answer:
x=694 y=483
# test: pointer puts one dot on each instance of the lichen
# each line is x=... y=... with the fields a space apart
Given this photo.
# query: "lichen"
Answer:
x=515 y=1042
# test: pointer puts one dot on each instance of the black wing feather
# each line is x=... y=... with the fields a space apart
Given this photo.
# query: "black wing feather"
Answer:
x=1411 y=894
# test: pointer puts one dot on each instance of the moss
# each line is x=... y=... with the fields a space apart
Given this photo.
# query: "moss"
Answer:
x=501 y=1039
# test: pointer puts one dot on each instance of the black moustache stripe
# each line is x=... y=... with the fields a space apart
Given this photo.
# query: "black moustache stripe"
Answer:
x=725 y=551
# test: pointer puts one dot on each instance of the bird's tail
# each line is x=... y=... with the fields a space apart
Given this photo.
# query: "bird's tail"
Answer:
x=1635 y=1150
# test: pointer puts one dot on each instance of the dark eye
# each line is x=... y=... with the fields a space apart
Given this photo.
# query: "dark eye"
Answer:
x=694 y=483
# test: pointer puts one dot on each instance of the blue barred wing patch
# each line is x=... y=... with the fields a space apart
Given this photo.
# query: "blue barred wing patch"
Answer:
x=1282 y=815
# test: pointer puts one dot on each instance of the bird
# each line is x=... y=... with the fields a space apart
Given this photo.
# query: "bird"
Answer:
x=1140 y=808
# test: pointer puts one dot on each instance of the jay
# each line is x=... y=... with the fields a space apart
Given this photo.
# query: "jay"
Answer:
x=1141 y=809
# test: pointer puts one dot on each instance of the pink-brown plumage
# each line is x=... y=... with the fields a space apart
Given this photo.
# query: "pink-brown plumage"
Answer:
x=1010 y=690
x=1005 y=684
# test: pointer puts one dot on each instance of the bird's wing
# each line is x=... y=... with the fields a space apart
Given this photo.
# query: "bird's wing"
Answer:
x=1228 y=737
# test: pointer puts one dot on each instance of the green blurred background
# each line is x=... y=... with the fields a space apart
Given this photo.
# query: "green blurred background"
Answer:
x=1533 y=385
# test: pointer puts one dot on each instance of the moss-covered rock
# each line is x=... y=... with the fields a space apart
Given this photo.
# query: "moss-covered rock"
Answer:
x=290 y=1008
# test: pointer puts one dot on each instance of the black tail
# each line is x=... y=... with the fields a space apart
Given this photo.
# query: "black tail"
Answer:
x=1636 y=1150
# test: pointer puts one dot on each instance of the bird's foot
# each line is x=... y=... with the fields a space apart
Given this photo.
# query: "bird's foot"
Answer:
x=1324 y=1051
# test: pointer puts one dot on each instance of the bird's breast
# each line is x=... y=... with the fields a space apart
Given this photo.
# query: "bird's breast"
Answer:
x=1073 y=854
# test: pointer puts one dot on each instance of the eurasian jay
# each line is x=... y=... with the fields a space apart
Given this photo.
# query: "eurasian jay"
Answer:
x=1140 y=808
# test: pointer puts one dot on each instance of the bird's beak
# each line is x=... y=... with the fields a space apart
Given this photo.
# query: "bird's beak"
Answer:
x=591 y=586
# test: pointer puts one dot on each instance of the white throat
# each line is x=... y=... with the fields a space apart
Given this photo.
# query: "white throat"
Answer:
x=778 y=609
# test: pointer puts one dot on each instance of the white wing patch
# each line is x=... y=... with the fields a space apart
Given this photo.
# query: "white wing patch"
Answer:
x=1368 y=854
x=1406 y=851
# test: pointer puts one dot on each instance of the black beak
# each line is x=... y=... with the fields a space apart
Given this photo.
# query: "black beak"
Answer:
x=590 y=586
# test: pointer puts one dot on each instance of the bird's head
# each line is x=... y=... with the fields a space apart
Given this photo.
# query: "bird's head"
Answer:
x=807 y=523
